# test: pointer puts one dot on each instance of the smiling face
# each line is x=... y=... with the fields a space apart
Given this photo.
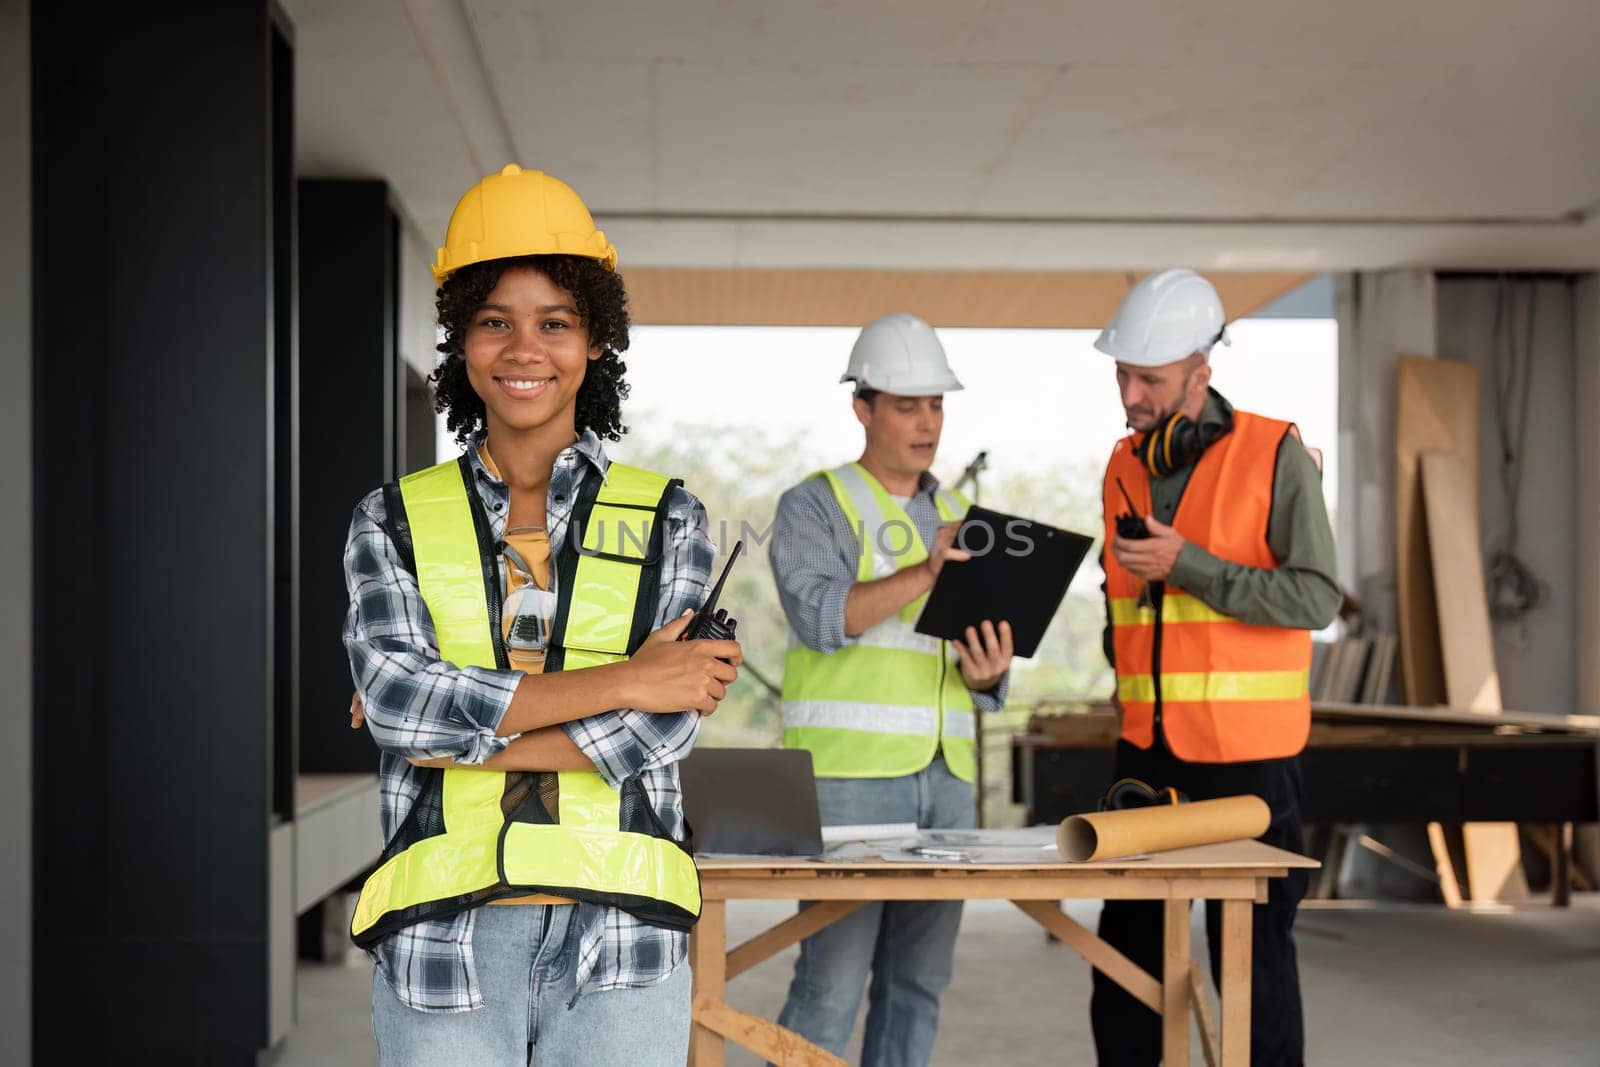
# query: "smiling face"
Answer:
x=527 y=350
x=902 y=431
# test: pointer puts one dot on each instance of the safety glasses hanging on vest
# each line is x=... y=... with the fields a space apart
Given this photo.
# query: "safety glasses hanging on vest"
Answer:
x=529 y=608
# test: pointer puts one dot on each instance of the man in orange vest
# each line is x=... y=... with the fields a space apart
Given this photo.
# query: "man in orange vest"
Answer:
x=1213 y=582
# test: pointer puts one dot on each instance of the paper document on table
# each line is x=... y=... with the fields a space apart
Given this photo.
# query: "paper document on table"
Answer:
x=875 y=831
x=1029 y=846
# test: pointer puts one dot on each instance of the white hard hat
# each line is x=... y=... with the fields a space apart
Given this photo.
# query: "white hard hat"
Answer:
x=1166 y=317
x=900 y=354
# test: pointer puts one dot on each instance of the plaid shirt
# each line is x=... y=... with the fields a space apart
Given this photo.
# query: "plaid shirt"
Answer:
x=419 y=707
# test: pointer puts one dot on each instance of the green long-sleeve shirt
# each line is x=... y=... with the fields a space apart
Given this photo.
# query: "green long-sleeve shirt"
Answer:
x=1302 y=592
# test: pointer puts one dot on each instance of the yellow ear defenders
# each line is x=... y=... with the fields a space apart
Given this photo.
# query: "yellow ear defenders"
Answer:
x=1177 y=441
x=1171 y=446
x=1128 y=793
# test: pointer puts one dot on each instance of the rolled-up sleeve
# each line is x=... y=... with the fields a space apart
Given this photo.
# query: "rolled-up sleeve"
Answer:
x=418 y=706
x=990 y=700
x=624 y=742
x=813 y=557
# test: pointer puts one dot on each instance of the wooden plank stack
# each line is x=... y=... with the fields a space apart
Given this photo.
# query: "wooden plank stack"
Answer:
x=1354 y=670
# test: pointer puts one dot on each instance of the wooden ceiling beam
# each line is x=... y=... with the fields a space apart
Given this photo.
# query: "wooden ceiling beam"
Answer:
x=694 y=296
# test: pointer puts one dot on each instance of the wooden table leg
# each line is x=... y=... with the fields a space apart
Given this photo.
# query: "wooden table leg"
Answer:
x=1327 y=887
x=1236 y=918
x=1204 y=1017
x=1175 y=986
x=708 y=955
x=1561 y=869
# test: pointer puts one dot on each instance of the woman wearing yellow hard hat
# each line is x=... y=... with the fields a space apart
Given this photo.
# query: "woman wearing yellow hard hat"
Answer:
x=513 y=635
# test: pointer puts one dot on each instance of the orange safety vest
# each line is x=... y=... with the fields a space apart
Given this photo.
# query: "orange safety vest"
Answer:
x=1221 y=691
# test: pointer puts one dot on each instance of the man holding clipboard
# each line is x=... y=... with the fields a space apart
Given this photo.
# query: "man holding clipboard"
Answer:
x=886 y=712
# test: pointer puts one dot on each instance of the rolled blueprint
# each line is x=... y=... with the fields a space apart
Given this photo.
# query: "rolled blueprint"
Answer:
x=1109 y=835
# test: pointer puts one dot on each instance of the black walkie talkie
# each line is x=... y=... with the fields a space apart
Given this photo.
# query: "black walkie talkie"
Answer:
x=711 y=622
x=1130 y=525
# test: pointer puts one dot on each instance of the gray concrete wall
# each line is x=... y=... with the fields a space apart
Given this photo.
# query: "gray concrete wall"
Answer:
x=16 y=545
x=418 y=332
x=1586 y=593
x=416 y=326
x=1382 y=315
x=1536 y=655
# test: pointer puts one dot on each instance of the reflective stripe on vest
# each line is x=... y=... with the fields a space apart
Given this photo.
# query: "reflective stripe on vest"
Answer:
x=483 y=854
x=1227 y=691
x=884 y=705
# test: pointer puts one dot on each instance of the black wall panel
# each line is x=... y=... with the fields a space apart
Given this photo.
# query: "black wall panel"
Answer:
x=350 y=413
x=154 y=529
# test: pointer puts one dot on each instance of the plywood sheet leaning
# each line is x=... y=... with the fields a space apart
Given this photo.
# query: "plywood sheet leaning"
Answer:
x=1466 y=643
x=1436 y=410
x=1494 y=861
x=1493 y=853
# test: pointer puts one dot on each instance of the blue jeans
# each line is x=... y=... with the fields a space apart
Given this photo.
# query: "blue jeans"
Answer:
x=907 y=945
x=526 y=962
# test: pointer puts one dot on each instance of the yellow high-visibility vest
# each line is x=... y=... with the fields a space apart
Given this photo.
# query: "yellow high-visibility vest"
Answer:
x=886 y=704
x=496 y=834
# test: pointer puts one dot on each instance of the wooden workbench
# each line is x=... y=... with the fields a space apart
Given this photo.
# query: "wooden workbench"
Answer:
x=1370 y=764
x=1235 y=873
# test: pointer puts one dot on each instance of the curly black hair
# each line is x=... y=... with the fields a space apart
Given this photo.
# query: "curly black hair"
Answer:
x=602 y=305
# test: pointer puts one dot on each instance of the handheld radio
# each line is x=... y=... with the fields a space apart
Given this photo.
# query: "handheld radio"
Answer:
x=711 y=622
x=1129 y=524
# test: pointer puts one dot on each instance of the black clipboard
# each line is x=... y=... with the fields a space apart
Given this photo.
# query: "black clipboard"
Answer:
x=1019 y=572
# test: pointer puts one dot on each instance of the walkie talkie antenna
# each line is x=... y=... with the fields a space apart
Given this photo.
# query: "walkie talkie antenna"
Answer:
x=1132 y=507
x=716 y=590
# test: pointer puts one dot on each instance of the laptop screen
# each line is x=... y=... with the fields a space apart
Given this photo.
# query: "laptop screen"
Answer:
x=751 y=802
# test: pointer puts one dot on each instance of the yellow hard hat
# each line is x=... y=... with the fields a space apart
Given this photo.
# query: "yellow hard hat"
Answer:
x=520 y=213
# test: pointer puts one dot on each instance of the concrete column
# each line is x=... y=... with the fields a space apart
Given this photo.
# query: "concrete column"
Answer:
x=1586 y=490
x=417 y=336
x=16 y=545
x=1535 y=655
x=1586 y=532
x=1382 y=316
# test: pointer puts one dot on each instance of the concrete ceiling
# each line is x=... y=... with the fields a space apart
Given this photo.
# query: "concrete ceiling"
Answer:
x=1043 y=135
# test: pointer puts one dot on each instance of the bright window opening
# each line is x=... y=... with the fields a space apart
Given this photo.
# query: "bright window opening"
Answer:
x=742 y=413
